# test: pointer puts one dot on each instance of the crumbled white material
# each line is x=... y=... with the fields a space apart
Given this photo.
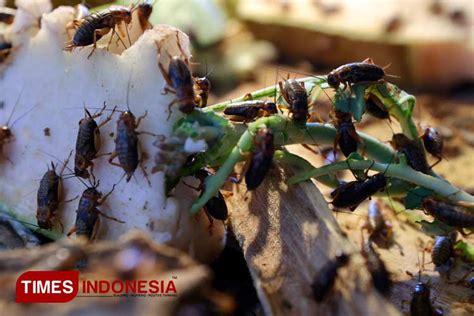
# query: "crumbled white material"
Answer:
x=57 y=84
x=192 y=146
x=29 y=12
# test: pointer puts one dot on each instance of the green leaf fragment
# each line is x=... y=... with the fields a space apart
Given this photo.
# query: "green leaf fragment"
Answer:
x=435 y=228
x=355 y=156
x=354 y=104
x=357 y=103
x=281 y=101
x=342 y=102
x=414 y=198
x=466 y=249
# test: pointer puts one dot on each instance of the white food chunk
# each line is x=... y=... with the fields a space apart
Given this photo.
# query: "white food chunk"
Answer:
x=52 y=86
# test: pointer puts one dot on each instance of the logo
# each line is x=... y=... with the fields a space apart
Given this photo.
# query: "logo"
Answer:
x=47 y=286
x=150 y=288
x=64 y=286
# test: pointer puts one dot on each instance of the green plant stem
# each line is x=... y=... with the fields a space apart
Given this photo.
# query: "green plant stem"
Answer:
x=215 y=182
x=259 y=94
x=402 y=172
x=395 y=186
x=29 y=222
x=287 y=133
x=316 y=133
x=400 y=108
x=397 y=102
x=302 y=165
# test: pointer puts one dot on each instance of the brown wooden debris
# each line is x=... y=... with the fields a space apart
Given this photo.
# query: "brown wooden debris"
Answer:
x=287 y=235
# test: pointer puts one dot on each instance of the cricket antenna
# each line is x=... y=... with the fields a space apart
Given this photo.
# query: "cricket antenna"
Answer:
x=303 y=73
x=128 y=90
x=419 y=265
x=387 y=66
x=87 y=111
x=389 y=125
x=14 y=107
x=23 y=115
x=276 y=89
x=64 y=165
x=128 y=36
x=389 y=75
x=392 y=76
x=96 y=108
x=389 y=163
x=208 y=73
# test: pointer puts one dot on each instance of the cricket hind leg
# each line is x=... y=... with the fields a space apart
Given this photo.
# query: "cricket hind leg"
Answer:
x=142 y=167
x=97 y=35
x=110 y=217
x=169 y=108
x=113 y=163
x=72 y=231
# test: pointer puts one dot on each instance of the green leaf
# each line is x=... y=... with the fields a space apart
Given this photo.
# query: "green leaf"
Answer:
x=302 y=165
x=357 y=104
x=355 y=156
x=387 y=93
x=345 y=102
x=295 y=161
x=406 y=102
x=218 y=133
x=435 y=228
x=402 y=159
x=408 y=108
x=188 y=129
x=29 y=222
x=281 y=101
x=342 y=102
x=316 y=83
x=200 y=124
x=414 y=198
x=466 y=249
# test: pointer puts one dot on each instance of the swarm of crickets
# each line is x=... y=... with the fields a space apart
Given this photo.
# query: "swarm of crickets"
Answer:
x=251 y=129
x=202 y=142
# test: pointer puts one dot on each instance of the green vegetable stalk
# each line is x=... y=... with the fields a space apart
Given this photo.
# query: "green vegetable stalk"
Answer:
x=239 y=142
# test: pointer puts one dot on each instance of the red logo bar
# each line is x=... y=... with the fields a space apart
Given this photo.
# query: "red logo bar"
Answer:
x=47 y=286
